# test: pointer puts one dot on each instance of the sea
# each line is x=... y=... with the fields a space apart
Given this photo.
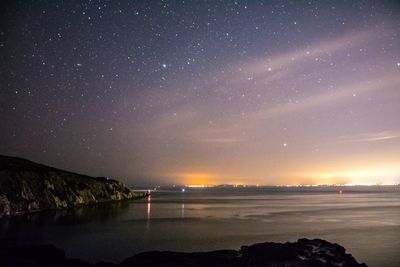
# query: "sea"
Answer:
x=363 y=219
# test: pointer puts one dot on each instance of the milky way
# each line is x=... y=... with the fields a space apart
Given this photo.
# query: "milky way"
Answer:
x=205 y=92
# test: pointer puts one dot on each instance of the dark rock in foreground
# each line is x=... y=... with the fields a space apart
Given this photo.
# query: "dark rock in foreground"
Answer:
x=27 y=186
x=303 y=253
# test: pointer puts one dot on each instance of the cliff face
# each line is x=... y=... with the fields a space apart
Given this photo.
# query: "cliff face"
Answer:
x=27 y=186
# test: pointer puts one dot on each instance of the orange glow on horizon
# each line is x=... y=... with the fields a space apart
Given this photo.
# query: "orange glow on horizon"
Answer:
x=320 y=176
x=196 y=179
x=361 y=170
x=364 y=174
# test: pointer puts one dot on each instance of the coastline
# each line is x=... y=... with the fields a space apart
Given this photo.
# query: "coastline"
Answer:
x=26 y=186
x=139 y=195
x=215 y=219
x=302 y=253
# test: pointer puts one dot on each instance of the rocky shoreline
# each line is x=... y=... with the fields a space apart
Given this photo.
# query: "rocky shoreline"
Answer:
x=26 y=186
x=303 y=253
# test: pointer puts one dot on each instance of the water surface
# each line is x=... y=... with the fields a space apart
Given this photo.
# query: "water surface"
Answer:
x=366 y=221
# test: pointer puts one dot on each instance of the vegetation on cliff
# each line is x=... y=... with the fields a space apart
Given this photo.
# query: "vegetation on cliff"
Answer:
x=27 y=186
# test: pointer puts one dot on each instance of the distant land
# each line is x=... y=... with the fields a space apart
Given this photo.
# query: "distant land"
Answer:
x=306 y=188
x=26 y=186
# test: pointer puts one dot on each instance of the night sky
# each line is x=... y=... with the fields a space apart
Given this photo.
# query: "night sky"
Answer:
x=204 y=92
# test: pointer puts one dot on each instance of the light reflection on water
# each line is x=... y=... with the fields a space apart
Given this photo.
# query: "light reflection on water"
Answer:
x=366 y=223
x=148 y=212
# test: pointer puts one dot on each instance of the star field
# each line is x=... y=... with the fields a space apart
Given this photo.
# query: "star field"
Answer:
x=257 y=92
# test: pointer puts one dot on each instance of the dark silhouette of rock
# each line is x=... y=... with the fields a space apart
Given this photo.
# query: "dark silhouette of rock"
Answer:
x=36 y=256
x=303 y=253
x=220 y=258
x=27 y=186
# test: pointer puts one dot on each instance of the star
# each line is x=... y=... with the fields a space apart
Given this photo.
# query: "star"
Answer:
x=161 y=78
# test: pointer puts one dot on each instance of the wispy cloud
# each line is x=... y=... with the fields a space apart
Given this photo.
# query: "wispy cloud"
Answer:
x=326 y=47
x=331 y=96
x=370 y=137
x=278 y=67
x=240 y=115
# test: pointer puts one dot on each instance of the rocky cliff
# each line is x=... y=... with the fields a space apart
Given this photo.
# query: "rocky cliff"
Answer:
x=303 y=253
x=27 y=186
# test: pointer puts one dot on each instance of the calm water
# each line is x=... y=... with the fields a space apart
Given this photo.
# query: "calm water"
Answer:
x=365 y=222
